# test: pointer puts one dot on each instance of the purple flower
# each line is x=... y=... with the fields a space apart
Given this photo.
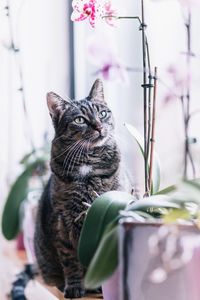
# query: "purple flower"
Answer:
x=105 y=58
x=185 y=3
x=179 y=79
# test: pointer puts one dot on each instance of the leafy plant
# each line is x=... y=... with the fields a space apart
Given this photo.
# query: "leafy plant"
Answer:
x=155 y=180
x=103 y=258
x=169 y=208
x=104 y=209
x=18 y=193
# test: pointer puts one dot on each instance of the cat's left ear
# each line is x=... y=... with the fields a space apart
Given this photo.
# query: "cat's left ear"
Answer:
x=97 y=92
x=56 y=105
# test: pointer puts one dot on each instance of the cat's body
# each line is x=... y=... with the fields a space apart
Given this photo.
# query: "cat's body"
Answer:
x=84 y=160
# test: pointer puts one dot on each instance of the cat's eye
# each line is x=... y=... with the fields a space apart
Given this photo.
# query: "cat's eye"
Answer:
x=102 y=114
x=79 y=120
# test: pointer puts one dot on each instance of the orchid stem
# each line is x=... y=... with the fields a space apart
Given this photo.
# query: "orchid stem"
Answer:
x=150 y=86
x=144 y=85
x=153 y=127
x=123 y=17
x=187 y=151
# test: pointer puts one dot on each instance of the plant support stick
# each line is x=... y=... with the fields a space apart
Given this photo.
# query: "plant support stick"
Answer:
x=153 y=127
x=188 y=99
x=150 y=86
x=144 y=85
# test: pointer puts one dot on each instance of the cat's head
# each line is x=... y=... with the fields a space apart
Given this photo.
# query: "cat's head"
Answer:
x=88 y=119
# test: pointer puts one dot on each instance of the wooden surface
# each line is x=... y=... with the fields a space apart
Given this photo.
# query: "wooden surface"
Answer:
x=36 y=289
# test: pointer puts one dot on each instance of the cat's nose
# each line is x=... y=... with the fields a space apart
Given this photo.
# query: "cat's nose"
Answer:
x=98 y=126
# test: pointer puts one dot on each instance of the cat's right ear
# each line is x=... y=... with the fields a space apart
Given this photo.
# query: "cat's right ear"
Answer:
x=97 y=92
x=56 y=105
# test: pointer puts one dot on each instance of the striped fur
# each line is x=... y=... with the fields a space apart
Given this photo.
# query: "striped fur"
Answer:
x=84 y=159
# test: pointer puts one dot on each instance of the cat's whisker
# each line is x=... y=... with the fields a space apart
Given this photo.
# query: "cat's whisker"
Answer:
x=73 y=156
x=68 y=148
x=81 y=153
x=58 y=138
x=70 y=158
x=69 y=154
x=87 y=149
x=71 y=151
x=73 y=159
x=77 y=158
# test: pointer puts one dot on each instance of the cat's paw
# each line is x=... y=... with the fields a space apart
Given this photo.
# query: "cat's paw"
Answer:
x=74 y=292
x=94 y=291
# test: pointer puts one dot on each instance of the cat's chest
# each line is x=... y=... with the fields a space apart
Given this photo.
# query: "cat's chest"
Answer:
x=85 y=170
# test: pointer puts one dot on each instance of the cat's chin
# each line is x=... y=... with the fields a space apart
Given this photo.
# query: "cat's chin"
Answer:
x=98 y=142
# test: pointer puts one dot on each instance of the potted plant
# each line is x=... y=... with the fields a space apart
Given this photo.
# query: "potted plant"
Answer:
x=137 y=223
x=25 y=192
x=175 y=203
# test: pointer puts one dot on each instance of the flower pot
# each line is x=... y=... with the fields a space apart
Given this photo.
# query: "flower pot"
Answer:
x=148 y=273
x=110 y=288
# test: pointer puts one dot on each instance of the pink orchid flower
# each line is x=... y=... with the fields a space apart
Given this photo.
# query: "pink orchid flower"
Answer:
x=91 y=9
x=109 y=11
x=106 y=59
x=183 y=3
x=114 y=72
x=180 y=78
x=188 y=3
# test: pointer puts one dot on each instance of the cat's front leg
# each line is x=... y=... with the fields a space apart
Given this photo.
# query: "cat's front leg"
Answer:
x=74 y=290
x=73 y=273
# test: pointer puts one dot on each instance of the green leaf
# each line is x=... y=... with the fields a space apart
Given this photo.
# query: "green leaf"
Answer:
x=137 y=215
x=157 y=201
x=193 y=184
x=167 y=190
x=197 y=180
x=176 y=214
x=105 y=260
x=187 y=191
x=155 y=182
x=172 y=188
x=18 y=192
x=25 y=159
x=145 y=215
x=155 y=174
x=102 y=211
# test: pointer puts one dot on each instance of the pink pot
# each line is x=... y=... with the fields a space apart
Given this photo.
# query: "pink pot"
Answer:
x=137 y=264
x=20 y=241
x=110 y=288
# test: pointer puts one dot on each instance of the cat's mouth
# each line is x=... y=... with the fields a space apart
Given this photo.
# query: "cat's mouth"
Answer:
x=98 y=139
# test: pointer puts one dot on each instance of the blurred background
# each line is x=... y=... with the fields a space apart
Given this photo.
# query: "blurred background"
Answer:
x=42 y=50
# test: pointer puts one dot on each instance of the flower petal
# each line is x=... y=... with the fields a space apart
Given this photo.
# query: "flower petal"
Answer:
x=75 y=16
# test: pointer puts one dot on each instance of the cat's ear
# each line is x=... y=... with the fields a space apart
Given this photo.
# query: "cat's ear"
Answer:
x=56 y=105
x=97 y=92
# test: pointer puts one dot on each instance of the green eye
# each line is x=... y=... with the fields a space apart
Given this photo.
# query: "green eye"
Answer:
x=79 y=120
x=102 y=114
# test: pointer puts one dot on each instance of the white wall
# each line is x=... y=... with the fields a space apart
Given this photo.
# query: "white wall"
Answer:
x=40 y=30
x=166 y=35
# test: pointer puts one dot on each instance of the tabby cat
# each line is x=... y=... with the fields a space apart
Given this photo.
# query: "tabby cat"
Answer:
x=84 y=159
